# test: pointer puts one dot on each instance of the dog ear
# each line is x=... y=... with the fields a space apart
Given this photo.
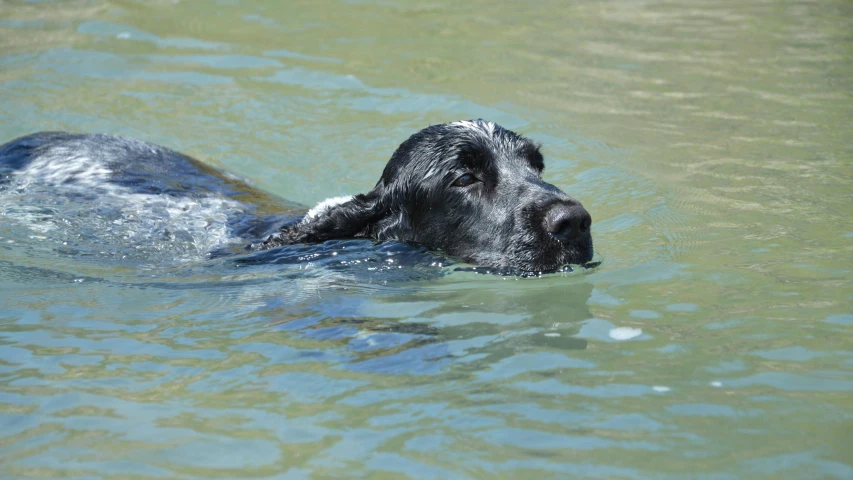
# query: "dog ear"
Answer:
x=339 y=217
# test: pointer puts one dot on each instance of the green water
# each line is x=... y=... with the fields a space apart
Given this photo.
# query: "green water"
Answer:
x=712 y=141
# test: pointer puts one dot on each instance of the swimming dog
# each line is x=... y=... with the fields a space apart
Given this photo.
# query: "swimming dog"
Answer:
x=471 y=189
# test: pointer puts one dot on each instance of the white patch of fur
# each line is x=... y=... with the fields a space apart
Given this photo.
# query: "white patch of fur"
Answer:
x=482 y=127
x=324 y=206
x=488 y=130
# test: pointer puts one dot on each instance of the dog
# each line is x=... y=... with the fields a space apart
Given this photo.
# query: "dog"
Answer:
x=472 y=190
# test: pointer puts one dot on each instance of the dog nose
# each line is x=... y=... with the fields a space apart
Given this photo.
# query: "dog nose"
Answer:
x=567 y=222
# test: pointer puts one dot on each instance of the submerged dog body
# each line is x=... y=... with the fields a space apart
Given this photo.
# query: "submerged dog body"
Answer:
x=471 y=189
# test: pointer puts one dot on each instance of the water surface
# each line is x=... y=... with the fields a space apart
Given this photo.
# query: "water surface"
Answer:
x=710 y=140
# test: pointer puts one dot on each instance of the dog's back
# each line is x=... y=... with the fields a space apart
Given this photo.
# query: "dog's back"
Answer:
x=472 y=189
x=110 y=195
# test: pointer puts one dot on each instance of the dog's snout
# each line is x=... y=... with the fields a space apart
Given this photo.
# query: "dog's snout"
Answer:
x=567 y=222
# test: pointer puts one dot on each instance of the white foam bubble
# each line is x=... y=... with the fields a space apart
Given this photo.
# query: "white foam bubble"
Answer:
x=625 y=333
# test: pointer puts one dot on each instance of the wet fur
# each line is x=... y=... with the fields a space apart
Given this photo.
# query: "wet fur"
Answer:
x=497 y=222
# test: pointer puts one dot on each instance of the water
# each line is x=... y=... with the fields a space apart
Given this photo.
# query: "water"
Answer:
x=710 y=141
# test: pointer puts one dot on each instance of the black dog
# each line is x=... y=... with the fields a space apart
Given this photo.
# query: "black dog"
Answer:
x=471 y=189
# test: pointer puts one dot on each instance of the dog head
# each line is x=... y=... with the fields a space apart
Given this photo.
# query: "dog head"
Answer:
x=472 y=189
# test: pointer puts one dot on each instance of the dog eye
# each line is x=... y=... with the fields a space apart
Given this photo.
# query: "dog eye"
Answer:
x=465 y=180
